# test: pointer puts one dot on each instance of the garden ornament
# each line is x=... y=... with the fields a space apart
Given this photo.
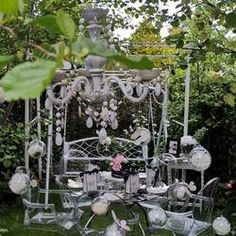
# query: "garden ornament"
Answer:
x=157 y=216
x=200 y=158
x=36 y=149
x=118 y=228
x=141 y=136
x=100 y=206
x=221 y=225
x=19 y=183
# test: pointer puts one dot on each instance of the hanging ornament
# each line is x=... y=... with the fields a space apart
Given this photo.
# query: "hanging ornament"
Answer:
x=58 y=122
x=200 y=158
x=89 y=122
x=221 y=225
x=80 y=111
x=58 y=139
x=59 y=125
x=102 y=136
x=114 y=124
x=157 y=90
x=36 y=149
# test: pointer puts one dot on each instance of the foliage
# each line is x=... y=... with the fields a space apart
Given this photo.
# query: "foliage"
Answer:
x=146 y=41
x=67 y=47
x=28 y=79
x=11 y=151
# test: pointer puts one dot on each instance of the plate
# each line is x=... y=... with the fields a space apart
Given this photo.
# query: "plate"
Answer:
x=157 y=190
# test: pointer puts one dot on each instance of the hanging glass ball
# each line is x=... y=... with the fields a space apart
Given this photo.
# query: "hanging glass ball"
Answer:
x=18 y=183
x=200 y=158
x=58 y=114
x=58 y=129
x=100 y=206
x=221 y=225
x=36 y=149
x=157 y=217
x=58 y=122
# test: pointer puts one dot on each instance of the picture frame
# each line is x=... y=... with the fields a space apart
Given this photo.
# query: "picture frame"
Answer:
x=173 y=146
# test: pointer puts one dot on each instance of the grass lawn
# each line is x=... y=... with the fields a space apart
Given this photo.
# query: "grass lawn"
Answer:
x=12 y=214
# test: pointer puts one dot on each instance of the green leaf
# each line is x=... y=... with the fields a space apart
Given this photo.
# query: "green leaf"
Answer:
x=7 y=163
x=28 y=80
x=66 y=25
x=180 y=44
x=229 y=99
x=233 y=88
x=4 y=60
x=175 y=23
x=83 y=47
x=11 y=7
x=49 y=22
x=231 y=19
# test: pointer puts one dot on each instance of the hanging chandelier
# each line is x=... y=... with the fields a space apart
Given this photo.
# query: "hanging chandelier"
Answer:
x=94 y=87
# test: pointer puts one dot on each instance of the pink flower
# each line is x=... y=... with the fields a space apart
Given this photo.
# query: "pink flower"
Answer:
x=116 y=163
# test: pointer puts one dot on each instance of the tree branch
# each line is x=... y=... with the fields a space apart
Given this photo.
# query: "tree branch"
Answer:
x=9 y=30
x=44 y=51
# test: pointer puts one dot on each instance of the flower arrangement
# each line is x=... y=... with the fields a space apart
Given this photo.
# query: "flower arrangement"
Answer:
x=118 y=166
